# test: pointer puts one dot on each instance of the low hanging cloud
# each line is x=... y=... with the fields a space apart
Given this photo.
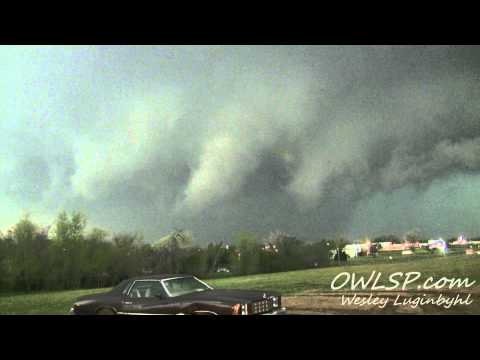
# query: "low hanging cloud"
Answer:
x=220 y=139
x=122 y=143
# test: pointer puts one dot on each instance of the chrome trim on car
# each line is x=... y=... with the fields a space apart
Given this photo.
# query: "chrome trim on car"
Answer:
x=129 y=288
x=205 y=311
x=129 y=313
x=204 y=283
x=198 y=311
x=173 y=278
x=84 y=302
x=282 y=311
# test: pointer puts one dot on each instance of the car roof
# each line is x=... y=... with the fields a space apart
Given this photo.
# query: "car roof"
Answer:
x=159 y=277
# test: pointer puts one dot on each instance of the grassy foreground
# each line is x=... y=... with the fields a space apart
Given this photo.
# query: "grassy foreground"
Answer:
x=288 y=283
x=295 y=282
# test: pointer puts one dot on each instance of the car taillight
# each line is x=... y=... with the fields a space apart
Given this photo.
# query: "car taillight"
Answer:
x=236 y=309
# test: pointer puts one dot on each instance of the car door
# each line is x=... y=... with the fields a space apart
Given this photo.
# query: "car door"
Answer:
x=147 y=297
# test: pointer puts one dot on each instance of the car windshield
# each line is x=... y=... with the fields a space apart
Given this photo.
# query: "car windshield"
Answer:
x=120 y=288
x=182 y=286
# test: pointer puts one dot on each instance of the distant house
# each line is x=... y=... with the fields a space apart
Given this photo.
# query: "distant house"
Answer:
x=359 y=249
x=439 y=244
x=461 y=240
x=389 y=246
x=270 y=247
x=352 y=250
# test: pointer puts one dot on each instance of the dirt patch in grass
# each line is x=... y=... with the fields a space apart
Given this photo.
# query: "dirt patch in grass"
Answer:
x=383 y=303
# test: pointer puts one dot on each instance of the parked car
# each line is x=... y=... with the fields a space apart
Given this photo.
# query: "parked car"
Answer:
x=177 y=295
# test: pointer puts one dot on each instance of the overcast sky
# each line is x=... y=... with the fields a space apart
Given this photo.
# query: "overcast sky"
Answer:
x=316 y=141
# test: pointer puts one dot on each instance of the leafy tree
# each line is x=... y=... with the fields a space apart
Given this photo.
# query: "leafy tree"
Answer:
x=413 y=236
x=213 y=256
x=27 y=259
x=98 y=257
x=387 y=238
x=316 y=254
x=7 y=253
x=171 y=248
x=249 y=253
x=195 y=262
x=69 y=235
x=125 y=255
x=30 y=259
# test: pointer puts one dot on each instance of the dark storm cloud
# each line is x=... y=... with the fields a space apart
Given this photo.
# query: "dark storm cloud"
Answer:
x=225 y=139
x=32 y=179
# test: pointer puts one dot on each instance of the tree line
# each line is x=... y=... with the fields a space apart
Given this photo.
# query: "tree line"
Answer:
x=68 y=257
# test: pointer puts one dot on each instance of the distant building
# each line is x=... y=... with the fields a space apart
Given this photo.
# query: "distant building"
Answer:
x=389 y=246
x=469 y=252
x=352 y=250
x=359 y=249
x=461 y=240
x=439 y=244
x=270 y=247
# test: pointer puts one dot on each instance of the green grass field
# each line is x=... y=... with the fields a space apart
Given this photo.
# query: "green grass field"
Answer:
x=294 y=282
x=288 y=283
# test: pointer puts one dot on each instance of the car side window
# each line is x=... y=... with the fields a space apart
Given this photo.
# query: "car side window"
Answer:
x=145 y=289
